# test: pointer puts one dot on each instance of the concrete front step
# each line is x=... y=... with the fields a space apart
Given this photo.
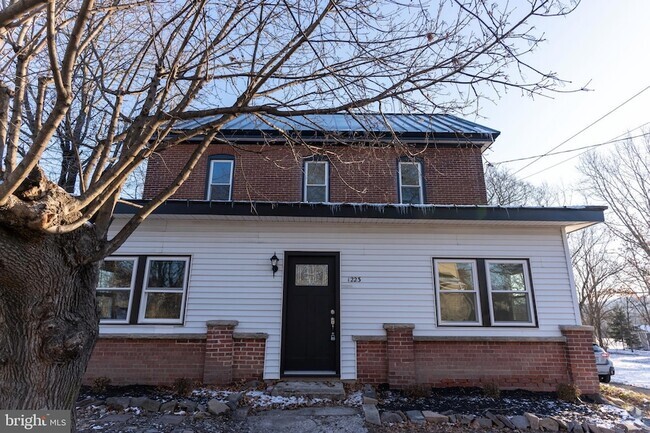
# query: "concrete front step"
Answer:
x=330 y=390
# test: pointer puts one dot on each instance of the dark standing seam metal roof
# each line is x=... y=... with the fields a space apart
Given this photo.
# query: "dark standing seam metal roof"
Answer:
x=442 y=126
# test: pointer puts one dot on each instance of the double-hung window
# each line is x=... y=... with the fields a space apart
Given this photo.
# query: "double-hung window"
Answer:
x=410 y=183
x=163 y=291
x=115 y=288
x=316 y=184
x=143 y=289
x=483 y=292
x=220 y=179
x=509 y=291
x=457 y=292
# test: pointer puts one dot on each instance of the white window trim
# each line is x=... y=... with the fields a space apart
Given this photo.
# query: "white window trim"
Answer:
x=232 y=174
x=131 y=289
x=418 y=164
x=145 y=290
x=529 y=293
x=476 y=291
x=326 y=184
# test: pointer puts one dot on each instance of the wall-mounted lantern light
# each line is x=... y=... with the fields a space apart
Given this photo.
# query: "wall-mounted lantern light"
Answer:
x=274 y=264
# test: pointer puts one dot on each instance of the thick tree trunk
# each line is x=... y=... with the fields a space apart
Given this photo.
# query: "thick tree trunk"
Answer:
x=48 y=316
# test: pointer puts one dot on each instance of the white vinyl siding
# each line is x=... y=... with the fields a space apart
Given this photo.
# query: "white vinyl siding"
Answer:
x=231 y=277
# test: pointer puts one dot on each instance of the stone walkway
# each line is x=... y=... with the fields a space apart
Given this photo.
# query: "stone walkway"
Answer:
x=313 y=419
x=333 y=419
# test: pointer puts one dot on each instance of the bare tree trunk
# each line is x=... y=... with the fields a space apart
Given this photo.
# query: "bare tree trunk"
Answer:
x=48 y=316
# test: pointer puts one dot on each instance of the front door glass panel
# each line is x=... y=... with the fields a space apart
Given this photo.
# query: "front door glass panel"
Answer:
x=311 y=275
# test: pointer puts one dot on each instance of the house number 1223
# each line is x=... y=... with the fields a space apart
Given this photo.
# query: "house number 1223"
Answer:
x=354 y=279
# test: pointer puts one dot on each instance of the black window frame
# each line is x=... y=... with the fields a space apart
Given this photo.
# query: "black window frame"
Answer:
x=484 y=296
x=328 y=166
x=208 y=180
x=137 y=294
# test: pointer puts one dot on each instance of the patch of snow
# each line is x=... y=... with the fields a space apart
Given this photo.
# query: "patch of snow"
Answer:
x=210 y=393
x=135 y=410
x=632 y=368
x=260 y=399
x=615 y=410
x=355 y=399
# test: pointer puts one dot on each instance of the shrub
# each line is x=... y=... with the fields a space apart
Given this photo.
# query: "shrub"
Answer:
x=182 y=386
x=491 y=390
x=417 y=391
x=101 y=384
x=568 y=392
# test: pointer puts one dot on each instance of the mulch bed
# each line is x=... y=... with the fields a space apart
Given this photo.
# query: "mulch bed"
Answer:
x=474 y=401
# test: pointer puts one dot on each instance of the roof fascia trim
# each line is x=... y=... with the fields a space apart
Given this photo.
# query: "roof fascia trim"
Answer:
x=591 y=214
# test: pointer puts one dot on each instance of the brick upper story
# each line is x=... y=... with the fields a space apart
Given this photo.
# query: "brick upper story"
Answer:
x=357 y=173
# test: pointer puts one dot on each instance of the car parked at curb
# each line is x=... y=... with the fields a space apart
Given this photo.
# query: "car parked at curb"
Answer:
x=604 y=365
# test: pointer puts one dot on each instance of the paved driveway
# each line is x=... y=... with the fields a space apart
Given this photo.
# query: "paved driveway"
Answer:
x=632 y=368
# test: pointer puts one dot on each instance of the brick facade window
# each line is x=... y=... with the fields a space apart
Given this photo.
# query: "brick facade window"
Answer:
x=483 y=292
x=143 y=289
x=411 y=190
x=220 y=178
x=316 y=181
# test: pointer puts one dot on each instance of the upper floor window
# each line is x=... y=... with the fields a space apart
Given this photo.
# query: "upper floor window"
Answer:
x=410 y=183
x=220 y=179
x=316 y=184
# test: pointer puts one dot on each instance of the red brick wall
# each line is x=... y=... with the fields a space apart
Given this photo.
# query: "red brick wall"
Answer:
x=401 y=355
x=221 y=358
x=357 y=174
x=248 y=359
x=128 y=361
x=538 y=366
x=534 y=365
x=219 y=346
x=580 y=354
x=372 y=362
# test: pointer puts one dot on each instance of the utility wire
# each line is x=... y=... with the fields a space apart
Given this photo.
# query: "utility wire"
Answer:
x=588 y=148
x=583 y=129
x=591 y=146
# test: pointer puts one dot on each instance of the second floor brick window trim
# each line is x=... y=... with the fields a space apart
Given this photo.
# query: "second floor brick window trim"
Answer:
x=411 y=185
x=220 y=178
x=316 y=183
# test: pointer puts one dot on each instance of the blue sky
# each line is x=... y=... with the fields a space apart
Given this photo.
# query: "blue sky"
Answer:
x=605 y=43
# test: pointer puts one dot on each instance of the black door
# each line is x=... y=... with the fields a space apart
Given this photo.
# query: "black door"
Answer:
x=310 y=343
